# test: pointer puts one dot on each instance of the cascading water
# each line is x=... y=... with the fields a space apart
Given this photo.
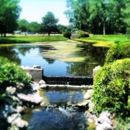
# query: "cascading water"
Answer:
x=60 y=113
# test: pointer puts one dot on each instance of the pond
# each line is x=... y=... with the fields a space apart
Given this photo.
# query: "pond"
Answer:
x=57 y=58
x=60 y=113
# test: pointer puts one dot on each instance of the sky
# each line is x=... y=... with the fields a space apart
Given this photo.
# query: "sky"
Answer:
x=34 y=10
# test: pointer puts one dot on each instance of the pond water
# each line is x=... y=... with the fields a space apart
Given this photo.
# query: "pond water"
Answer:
x=60 y=113
x=57 y=58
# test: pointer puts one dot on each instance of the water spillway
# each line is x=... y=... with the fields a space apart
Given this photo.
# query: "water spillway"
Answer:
x=68 y=80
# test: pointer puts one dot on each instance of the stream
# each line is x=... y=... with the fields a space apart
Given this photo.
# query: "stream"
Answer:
x=59 y=113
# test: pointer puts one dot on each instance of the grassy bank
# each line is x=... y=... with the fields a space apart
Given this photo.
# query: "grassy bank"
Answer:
x=31 y=39
x=105 y=40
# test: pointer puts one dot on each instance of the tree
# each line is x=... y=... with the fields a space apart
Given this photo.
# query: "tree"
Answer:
x=126 y=12
x=23 y=25
x=102 y=16
x=61 y=28
x=9 y=13
x=49 y=23
x=78 y=13
x=34 y=27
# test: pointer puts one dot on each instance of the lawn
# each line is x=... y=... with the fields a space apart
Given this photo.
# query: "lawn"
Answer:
x=105 y=40
x=31 y=39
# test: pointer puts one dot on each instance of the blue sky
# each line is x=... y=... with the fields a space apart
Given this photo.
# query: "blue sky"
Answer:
x=34 y=10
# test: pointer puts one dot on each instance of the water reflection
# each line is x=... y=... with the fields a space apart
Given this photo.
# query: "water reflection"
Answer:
x=29 y=55
x=93 y=56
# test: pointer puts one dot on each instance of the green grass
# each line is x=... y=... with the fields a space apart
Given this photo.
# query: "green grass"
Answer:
x=104 y=40
x=31 y=39
x=109 y=38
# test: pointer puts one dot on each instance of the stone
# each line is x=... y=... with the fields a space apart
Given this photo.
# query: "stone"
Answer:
x=104 y=122
x=10 y=90
x=42 y=82
x=32 y=98
x=19 y=109
x=20 y=123
x=12 y=118
x=88 y=94
x=104 y=126
x=95 y=70
x=91 y=106
x=20 y=86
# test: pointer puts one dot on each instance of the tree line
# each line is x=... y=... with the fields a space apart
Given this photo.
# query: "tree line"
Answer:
x=99 y=16
x=48 y=25
x=93 y=16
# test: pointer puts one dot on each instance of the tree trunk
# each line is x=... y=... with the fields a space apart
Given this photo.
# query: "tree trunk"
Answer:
x=104 y=28
x=4 y=34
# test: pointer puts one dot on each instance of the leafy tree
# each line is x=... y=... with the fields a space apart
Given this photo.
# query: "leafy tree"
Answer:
x=23 y=25
x=126 y=12
x=102 y=16
x=9 y=13
x=78 y=13
x=49 y=23
x=61 y=28
x=34 y=27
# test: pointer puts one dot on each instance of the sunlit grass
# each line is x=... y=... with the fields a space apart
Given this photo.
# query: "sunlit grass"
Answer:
x=104 y=40
x=31 y=39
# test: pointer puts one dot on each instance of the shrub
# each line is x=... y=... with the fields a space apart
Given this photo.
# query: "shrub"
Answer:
x=118 y=51
x=83 y=34
x=112 y=88
x=11 y=73
x=67 y=34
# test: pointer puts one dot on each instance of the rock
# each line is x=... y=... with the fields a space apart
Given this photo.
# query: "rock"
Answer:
x=20 y=86
x=20 y=123
x=104 y=126
x=88 y=94
x=84 y=103
x=10 y=90
x=104 y=122
x=91 y=106
x=19 y=109
x=95 y=70
x=12 y=118
x=32 y=98
x=42 y=82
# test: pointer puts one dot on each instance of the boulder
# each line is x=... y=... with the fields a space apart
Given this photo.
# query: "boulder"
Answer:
x=95 y=70
x=88 y=94
x=20 y=123
x=10 y=90
x=42 y=84
x=104 y=122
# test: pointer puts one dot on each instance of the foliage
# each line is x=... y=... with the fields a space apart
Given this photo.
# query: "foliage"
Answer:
x=23 y=25
x=82 y=33
x=11 y=74
x=67 y=34
x=112 y=88
x=118 y=51
x=97 y=16
x=49 y=23
x=9 y=13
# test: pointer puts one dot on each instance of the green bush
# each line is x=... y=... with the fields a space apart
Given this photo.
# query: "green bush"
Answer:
x=67 y=34
x=11 y=74
x=118 y=51
x=112 y=88
x=82 y=34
